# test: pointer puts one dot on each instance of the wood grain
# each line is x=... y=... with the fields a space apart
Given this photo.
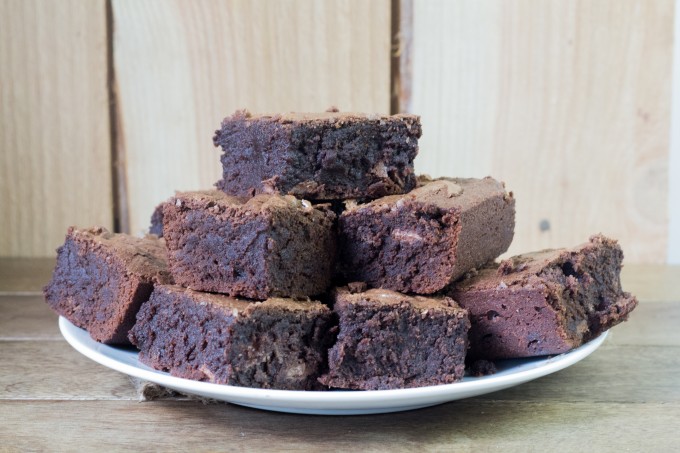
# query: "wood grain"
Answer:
x=568 y=102
x=647 y=282
x=24 y=275
x=471 y=425
x=54 y=123
x=183 y=66
x=54 y=370
x=604 y=403
x=27 y=318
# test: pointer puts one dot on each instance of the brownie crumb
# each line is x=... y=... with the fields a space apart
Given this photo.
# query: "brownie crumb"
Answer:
x=482 y=367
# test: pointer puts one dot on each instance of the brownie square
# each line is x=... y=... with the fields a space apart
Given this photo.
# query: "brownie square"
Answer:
x=101 y=279
x=389 y=340
x=318 y=156
x=278 y=343
x=546 y=302
x=422 y=241
x=266 y=246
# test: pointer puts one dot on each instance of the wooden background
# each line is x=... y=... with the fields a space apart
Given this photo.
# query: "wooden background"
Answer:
x=107 y=107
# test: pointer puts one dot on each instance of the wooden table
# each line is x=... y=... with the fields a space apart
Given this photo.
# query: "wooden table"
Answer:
x=624 y=397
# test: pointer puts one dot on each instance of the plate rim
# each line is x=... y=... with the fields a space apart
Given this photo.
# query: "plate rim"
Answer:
x=344 y=400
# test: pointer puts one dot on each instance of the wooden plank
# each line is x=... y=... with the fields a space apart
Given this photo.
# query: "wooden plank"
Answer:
x=652 y=323
x=27 y=318
x=24 y=275
x=652 y=282
x=648 y=282
x=567 y=101
x=622 y=374
x=462 y=426
x=54 y=122
x=54 y=370
x=203 y=60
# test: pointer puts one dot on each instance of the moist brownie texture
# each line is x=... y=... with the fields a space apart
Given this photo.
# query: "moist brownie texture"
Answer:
x=278 y=343
x=389 y=340
x=318 y=156
x=101 y=279
x=266 y=246
x=546 y=302
x=156 y=226
x=422 y=241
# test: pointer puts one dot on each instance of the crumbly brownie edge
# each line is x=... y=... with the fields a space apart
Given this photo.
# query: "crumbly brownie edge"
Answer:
x=402 y=345
x=97 y=289
x=279 y=343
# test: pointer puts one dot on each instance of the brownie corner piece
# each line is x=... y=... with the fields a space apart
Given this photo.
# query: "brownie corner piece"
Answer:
x=389 y=340
x=318 y=156
x=278 y=343
x=102 y=278
x=546 y=302
x=422 y=241
x=261 y=247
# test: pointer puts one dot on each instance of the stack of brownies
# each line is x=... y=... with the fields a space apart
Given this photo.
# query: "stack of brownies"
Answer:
x=323 y=261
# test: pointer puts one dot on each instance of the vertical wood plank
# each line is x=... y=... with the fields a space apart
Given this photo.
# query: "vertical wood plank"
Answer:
x=567 y=101
x=182 y=66
x=54 y=123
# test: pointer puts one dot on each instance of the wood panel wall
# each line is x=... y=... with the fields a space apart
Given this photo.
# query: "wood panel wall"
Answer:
x=108 y=106
x=182 y=66
x=55 y=149
x=566 y=101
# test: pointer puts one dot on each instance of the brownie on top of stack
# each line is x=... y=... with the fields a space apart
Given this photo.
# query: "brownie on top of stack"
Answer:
x=323 y=261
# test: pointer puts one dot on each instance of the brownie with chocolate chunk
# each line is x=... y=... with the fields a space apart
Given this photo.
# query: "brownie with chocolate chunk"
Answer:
x=389 y=340
x=101 y=279
x=422 y=241
x=278 y=343
x=546 y=302
x=262 y=247
x=318 y=156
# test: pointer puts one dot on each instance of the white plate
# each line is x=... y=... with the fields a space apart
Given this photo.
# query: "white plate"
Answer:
x=510 y=373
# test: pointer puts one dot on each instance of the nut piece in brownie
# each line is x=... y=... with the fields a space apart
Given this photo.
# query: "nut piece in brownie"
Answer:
x=546 y=302
x=266 y=246
x=101 y=279
x=318 y=156
x=422 y=241
x=278 y=343
x=389 y=340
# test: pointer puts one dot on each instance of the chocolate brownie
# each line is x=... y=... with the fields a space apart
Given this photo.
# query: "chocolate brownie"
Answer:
x=389 y=340
x=102 y=278
x=422 y=241
x=278 y=343
x=156 y=226
x=318 y=156
x=546 y=302
x=266 y=246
